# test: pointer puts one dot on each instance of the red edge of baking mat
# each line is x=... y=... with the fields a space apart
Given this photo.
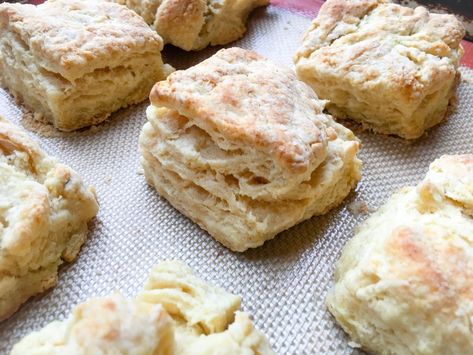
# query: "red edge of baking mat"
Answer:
x=309 y=8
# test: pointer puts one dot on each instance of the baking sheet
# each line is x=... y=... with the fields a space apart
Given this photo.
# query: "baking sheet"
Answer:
x=283 y=283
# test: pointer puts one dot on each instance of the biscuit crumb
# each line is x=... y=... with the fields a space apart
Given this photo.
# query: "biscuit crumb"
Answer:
x=93 y=129
x=466 y=80
x=358 y=208
x=34 y=123
x=354 y=345
x=108 y=179
x=452 y=105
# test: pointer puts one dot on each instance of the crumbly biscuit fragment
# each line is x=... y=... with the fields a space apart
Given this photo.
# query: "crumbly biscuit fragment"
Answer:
x=44 y=210
x=393 y=69
x=74 y=62
x=176 y=313
x=194 y=24
x=206 y=318
x=243 y=148
x=403 y=284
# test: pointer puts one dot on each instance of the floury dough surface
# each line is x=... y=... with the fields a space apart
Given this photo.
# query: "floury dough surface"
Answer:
x=283 y=284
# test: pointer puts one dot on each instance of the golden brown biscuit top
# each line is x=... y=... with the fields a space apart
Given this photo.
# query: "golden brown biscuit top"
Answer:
x=246 y=101
x=436 y=263
x=374 y=42
x=108 y=325
x=360 y=19
x=73 y=37
x=430 y=249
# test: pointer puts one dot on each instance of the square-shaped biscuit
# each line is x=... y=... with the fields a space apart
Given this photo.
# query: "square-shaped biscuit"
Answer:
x=389 y=67
x=194 y=24
x=74 y=62
x=44 y=210
x=242 y=147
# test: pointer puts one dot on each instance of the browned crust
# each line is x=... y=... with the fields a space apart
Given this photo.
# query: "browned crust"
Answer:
x=73 y=37
x=251 y=101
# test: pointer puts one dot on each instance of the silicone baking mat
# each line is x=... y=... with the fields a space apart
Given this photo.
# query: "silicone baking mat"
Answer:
x=283 y=283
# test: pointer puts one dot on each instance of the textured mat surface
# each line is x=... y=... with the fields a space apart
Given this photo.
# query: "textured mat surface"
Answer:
x=283 y=283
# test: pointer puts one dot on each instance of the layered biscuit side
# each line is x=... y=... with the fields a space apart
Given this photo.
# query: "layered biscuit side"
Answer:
x=403 y=283
x=391 y=68
x=44 y=210
x=243 y=148
x=75 y=62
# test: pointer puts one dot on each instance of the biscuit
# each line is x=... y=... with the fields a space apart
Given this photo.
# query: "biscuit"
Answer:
x=44 y=210
x=403 y=284
x=176 y=313
x=242 y=147
x=194 y=24
x=108 y=325
x=391 y=68
x=74 y=62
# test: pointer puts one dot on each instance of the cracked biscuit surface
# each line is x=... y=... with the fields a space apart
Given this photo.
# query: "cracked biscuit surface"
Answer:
x=403 y=284
x=242 y=147
x=392 y=68
x=195 y=24
x=44 y=210
x=74 y=62
x=176 y=313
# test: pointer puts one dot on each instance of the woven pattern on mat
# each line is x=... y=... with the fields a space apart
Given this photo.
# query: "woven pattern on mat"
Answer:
x=283 y=283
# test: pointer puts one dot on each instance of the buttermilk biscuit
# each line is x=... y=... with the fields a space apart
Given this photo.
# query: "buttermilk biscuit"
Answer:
x=44 y=210
x=404 y=283
x=389 y=67
x=194 y=24
x=109 y=325
x=177 y=313
x=242 y=147
x=73 y=62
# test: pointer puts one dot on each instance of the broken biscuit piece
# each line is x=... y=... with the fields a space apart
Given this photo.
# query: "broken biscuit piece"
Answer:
x=177 y=313
x=44 y=210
